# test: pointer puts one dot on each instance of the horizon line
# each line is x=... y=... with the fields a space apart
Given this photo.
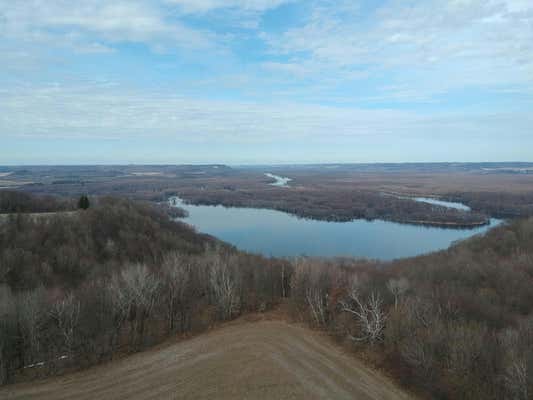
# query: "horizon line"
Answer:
x=264 y=164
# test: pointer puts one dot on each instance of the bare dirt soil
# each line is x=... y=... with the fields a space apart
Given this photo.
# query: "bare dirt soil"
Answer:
x=267 y=359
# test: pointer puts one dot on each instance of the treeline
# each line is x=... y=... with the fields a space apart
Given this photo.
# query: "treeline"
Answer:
x=498 y=204
x=457 y=324
x=338 y=205
x=78 y=290
x=20 y=202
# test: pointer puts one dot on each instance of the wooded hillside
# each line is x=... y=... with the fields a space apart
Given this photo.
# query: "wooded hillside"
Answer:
x=120 y=276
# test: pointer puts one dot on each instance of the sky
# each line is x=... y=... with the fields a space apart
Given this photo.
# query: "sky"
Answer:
x=265 y=81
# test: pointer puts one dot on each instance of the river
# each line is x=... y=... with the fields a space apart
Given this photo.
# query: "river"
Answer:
x=449 y=204
x=279 y=180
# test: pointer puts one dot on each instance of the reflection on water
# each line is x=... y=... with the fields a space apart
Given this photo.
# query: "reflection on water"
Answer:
x=274 y=233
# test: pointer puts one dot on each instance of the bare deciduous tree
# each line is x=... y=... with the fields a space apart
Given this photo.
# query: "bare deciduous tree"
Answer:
x=7 y=322
x=139 y=290
x=283 y=292
x=120 y=303
x=317 y=299
x=177 y=271
x=223 y=286
x=311 y=285
x=368 y=313
x=465 y=347
x=31 y=316
x=420 y=311
x=517 y=378
x=398 y=287
x=417 y=354
x=4 y=343
x=66 y=314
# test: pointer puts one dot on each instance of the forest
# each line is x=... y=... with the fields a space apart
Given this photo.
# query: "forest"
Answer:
x=341 y=205
x=76 y=290
x=457 y=324
x=323 y=192
x=19 y=202
x=121 y=276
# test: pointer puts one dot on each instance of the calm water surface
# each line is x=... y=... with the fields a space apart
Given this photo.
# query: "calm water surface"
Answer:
x=449 y=204
x=275 y=233
x=279 y=180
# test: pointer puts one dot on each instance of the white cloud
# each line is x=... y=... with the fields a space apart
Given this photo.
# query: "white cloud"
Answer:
x=107 y=111
x=204 y=6
x=413 y=51
x=430 y=46
x=244 y=14
x=64 y=22
x=94 y=47
x=426 y=47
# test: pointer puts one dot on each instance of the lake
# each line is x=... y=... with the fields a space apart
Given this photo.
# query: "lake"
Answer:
x=275 y=233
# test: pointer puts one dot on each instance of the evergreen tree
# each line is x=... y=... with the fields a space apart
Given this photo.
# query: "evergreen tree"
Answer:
x=83 y=203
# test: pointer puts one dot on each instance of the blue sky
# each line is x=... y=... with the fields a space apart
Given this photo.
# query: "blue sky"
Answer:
x=260 y=81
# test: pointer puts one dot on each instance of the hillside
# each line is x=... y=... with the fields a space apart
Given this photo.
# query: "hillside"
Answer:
x=122 y=277
x=242 y=360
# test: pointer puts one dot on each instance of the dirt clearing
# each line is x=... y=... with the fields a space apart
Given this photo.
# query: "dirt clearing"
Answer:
x=245 y=360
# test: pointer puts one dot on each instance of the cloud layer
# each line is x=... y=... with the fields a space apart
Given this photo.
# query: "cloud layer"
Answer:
x=254 y=72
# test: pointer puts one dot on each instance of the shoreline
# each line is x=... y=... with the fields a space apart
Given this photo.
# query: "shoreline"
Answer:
x=333 y=218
